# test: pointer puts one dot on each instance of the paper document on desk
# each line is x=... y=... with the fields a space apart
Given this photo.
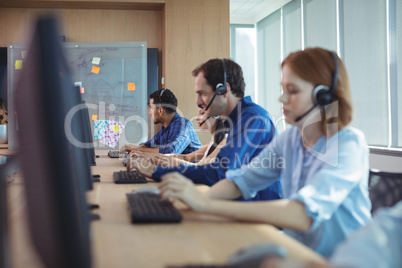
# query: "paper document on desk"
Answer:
x=108 y=132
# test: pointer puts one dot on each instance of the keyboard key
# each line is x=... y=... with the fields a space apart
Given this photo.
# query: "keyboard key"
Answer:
x=150 y=208
x=128 y=177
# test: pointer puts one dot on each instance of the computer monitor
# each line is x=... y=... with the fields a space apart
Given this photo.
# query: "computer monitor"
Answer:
x=8 y=166
x=55 y=173
x=4 y=238
x=88 y=135
x=77 y=126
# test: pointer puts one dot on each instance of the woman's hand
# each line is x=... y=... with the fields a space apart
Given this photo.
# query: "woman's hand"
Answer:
x=175 y=186
x=142 y=165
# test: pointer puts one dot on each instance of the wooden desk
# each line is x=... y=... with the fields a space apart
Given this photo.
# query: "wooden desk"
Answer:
x=118 y=243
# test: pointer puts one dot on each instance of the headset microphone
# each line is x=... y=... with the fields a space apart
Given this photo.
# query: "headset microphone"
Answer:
x=204 y=121
x=209 y=104
x=306 y=113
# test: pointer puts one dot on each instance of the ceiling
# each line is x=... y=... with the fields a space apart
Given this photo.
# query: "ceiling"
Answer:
x=252 y=11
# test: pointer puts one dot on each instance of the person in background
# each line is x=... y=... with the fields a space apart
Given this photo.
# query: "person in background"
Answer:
x=205 y=154
x=325 y=172
x=177 y=135
x=219 y=85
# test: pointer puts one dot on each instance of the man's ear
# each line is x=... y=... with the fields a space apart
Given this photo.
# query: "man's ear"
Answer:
x=160 y=111
x=228 y=89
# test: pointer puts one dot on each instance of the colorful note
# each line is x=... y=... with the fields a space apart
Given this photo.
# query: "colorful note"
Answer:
x=131 y=86
x=96 y=60
x=94 y=117
x=108 y=132
x=116 y=128
x=95 y=69
x=82 y=90
x=18 y=64
x=99 y=128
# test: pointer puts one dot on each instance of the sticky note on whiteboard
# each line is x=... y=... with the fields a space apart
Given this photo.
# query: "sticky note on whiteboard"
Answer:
x=18 y=64
x=116 y=128
x=96 y=60
x=94 y=117
x=131 y=86
x=95 y=69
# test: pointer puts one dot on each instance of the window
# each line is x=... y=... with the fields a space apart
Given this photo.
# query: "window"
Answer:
x=365 y=37
x=242 y=50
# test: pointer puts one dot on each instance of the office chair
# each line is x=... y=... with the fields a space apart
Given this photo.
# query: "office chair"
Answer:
x=385 y=188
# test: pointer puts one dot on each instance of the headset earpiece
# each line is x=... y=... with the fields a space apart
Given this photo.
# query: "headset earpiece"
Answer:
x=220 y=88
x=323 y=95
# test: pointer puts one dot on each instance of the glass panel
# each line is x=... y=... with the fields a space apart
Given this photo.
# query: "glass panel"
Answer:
x=320 y=24
x=365 y=56
x=269 y=66
x=292 y=30
x=245 y=55
x=399 y=66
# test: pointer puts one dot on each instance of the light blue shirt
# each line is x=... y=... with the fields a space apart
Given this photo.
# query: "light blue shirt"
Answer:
x=330 y=179
x=377 y=245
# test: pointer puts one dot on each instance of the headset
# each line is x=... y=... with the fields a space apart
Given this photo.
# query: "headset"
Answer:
x=161 y=93
x=220 y=88
x=322 y=95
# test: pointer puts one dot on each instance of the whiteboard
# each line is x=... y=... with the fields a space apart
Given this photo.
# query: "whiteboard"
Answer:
x=113 y=77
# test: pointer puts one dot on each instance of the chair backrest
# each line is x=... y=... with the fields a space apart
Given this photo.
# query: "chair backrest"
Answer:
x=385 y=189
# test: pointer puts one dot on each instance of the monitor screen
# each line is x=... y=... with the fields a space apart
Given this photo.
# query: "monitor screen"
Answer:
x=77 y=126
x=55 y=172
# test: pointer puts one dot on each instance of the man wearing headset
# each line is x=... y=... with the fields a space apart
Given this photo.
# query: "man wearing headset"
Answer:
x=177 y=135
x=219 y=85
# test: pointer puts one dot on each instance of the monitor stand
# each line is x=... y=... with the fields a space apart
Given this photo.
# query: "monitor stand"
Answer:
x=95 y=178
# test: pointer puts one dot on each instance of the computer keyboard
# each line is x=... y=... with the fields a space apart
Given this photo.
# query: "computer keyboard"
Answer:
x=150 y=208
x=128 y=177
x=117 y=154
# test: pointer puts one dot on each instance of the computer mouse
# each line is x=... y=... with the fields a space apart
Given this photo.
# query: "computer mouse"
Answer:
x=253 y=255
x=146 y=190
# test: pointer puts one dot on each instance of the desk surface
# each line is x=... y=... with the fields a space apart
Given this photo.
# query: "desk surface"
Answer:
x=116 y=242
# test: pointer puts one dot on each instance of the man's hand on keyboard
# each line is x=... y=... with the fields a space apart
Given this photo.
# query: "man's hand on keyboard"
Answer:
x=128 y=148
x=175 y=186
x=142 y=165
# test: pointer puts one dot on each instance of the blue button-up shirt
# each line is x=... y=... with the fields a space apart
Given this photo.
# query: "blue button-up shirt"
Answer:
x=330 y=179
x=178 y=137
x=251 y=129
